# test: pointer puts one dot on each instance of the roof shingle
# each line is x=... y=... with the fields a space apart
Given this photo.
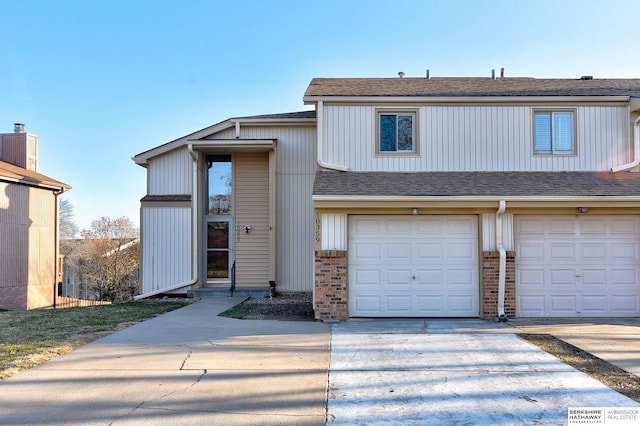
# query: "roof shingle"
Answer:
x=471 y=86
x=483 y=184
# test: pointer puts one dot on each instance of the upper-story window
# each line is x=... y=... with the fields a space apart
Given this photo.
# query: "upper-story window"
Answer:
x=554 y=132
x=396 y=132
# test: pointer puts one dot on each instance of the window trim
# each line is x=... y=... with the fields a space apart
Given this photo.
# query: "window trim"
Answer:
x=553 y=151
x=415 y=138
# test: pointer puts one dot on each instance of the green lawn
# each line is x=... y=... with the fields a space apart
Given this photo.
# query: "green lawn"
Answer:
x=28 y=338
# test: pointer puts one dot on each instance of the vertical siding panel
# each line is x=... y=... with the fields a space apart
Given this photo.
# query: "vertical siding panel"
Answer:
x=251 y=193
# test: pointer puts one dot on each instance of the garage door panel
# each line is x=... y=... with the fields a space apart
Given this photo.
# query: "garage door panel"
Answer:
x=430 y=251
x=624 y=251
x=398 y=278
x=397 y=252
x=427 y=266
x=595 y=305
x=531 y=251
x=464 y=251
x=626 y=305
x=368 y=277
x=461 y=278
x=562 y=278
x=366 y=252
x=398 y=305
x=367 y=304
x=624 y=226
x=577 y=266
x=562 y=251
x=593 y=251
x=561 y=227
x=532 y=277
x=594 y=277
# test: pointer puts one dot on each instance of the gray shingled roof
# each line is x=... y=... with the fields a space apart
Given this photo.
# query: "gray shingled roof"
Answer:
x=483 y=184
x=471 y=86
x=280 y=116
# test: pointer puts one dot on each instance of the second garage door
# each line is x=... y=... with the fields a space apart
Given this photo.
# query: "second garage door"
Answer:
x=413 y=266
x=571 y=266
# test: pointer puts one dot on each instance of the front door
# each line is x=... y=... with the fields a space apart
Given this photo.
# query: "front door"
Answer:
x=219 y=249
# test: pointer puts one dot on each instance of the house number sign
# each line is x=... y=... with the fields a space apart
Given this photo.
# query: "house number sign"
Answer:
x=317 y=232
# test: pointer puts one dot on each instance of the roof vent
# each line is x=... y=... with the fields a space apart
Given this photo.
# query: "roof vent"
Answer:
x=18 y=127
x=428 y=76
x=493 y=74
x=501 y=72
x=586 y=77
x=401 y=74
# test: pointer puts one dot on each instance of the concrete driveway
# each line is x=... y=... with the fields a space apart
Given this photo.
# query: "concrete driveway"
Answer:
x=451 y=372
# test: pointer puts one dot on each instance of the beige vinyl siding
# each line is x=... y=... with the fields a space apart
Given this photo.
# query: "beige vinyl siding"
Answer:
x=295 y=169
x=166 y=238
x=251 y=193
x=476 y=137
x=170 y=173
x=27 y=263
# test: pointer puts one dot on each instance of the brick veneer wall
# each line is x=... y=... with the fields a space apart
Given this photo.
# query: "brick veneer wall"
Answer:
x=331 y=300
x=490 y=270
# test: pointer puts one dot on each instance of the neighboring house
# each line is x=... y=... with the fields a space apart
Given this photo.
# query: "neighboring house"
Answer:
x=29 y=267
x=78 y=280
x=411 y=197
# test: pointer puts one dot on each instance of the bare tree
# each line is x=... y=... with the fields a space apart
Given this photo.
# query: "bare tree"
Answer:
x=110 y=267
x=68 y=227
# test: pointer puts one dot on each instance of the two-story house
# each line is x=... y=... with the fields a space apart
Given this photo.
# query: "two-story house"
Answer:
x=416 y=197
x=29 y=263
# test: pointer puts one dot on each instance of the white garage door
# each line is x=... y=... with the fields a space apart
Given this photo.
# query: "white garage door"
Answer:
x=413 y=266
x=571 y=266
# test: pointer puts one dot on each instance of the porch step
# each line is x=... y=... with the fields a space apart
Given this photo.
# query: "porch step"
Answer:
x=255 y=292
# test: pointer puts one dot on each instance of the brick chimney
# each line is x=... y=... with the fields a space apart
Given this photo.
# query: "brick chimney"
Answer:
x=19 y=148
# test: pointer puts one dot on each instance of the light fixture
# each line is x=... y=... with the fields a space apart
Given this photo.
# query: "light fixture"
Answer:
x=415 y=211
x=247 y=229
x=583 y=209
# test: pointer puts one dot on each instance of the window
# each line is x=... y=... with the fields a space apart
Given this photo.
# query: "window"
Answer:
x=554 y=132
x=396 y=132
x=219 y=195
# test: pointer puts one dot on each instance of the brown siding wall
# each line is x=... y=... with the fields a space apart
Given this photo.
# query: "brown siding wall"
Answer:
x=27 y=251
x=20 y=149
x=251 y=193
x=490 y=269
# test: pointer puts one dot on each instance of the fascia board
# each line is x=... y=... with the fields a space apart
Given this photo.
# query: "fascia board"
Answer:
x=323 y=201
x=274 y=121
x=142 y=159
x=463 y=99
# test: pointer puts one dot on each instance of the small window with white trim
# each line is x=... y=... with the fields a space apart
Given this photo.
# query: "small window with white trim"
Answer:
x=396 y=132
x=554 y=132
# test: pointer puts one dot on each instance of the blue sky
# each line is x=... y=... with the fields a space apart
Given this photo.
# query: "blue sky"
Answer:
x=102 y=80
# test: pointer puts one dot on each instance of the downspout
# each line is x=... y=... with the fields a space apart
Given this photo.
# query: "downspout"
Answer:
x=502 y=267
x=194 y=230
x=636 y=149
x=321 y=162
x=56 y=243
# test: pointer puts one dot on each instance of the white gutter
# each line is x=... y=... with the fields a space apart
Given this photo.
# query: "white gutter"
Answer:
x=502 y=267
x=319 y=117
x=194 y=230
x=636 y=149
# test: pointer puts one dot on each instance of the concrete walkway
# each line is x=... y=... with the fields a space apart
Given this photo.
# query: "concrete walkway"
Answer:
x=187 y=367
x=451 y=372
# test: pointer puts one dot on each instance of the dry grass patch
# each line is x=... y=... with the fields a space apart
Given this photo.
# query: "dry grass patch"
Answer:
x=608 y=374
x=28 y=338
